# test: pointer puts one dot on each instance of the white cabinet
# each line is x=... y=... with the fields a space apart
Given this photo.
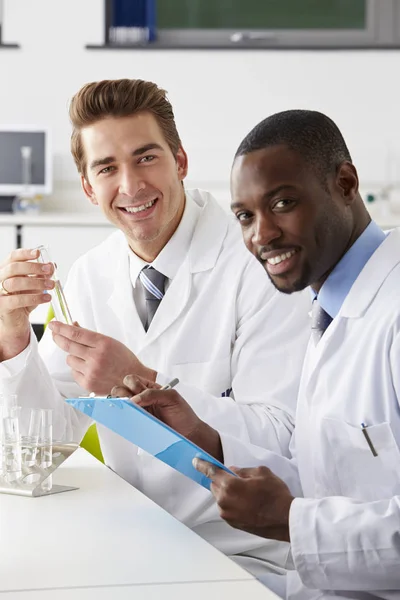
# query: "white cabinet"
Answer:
x=8 y=240
x=66 y=243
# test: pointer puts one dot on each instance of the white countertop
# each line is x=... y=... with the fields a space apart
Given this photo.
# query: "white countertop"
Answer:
x=56 y=218
x=217 y=590
x=381 y=212
x=103 y=535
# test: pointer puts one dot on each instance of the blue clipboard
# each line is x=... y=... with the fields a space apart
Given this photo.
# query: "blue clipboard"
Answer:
x=136 y=425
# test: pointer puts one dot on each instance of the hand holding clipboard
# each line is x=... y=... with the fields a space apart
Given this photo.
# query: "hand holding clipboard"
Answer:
x=144 y=429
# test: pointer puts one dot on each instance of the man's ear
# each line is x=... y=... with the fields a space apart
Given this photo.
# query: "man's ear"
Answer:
x=88 y=190
x=182 y=163
x=347 y=181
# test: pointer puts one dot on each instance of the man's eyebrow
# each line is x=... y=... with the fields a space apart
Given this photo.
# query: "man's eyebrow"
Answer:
x=146 y=148
x=235 y=205
x=101 y=162
x=107 y=160
x=267 y=196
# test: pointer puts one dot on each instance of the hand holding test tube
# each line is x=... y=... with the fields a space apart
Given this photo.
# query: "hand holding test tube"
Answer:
x=58 y=302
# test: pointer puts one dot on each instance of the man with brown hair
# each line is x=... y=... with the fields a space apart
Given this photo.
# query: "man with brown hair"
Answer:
x=173 y=293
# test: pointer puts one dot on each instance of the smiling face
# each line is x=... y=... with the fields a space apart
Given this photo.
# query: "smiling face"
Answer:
x=133 y=176
x=297 y=227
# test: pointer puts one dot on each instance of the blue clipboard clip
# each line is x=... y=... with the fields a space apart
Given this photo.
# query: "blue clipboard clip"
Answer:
x=139 y=427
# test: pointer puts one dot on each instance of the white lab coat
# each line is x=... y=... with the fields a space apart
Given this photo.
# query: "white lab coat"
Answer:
x=220 y=325
x=345 y=532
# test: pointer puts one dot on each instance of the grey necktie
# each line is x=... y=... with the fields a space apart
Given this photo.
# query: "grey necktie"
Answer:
x=320 y=321
x=154 y=285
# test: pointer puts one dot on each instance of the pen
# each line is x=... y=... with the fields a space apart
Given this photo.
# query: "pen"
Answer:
x=370 y=444
x=170 y=385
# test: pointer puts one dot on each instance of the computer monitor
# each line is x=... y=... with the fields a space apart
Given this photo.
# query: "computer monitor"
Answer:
x=12 y=139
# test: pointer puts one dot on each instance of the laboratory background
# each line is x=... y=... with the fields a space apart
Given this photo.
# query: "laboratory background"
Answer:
x=225 y=68
x=226 y=65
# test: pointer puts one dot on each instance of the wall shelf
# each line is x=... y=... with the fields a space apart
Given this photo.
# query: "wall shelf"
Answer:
x=164 y=46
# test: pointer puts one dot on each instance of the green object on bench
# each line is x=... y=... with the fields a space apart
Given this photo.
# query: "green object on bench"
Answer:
x=90 y=441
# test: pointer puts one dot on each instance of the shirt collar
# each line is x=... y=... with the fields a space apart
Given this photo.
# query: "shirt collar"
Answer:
x=172 y=255
x=335 y=289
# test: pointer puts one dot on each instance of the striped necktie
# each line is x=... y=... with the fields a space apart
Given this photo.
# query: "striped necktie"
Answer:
x=320 y=321
x=153 y=283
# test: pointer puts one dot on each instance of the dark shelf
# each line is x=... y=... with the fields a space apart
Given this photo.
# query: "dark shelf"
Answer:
x=9 y=46
x=162 y=46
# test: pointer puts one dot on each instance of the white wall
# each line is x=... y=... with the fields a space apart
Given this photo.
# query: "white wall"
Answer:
x=217 y=95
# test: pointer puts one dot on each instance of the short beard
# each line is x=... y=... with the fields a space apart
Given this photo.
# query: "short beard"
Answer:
x=296 y=286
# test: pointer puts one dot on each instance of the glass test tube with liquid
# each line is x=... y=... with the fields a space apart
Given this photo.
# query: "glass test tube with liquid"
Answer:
x=12 y=448
x=46 y=446
x=8 y=408
x=30 y=442
x=58 y=302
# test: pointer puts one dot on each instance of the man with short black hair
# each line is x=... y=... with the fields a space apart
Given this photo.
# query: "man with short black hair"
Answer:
x=337 y=499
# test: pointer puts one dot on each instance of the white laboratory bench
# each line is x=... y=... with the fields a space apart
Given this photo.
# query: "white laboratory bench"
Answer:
x=217 y=590
x=86 y=219
x=107 y=540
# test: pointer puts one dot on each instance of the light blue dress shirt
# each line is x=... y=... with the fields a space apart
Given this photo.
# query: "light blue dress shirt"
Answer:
x=335 y=289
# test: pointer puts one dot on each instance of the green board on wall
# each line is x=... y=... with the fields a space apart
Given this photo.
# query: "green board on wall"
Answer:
x=261 y=14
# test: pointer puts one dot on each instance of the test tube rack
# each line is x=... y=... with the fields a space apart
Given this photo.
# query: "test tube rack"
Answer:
x=32 y=479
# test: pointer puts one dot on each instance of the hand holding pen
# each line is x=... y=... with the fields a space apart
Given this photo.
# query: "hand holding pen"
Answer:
x=172 y=409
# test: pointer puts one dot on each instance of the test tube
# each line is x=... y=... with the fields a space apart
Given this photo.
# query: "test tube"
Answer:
x=8 y=404
x=58 y=302
x=46 y=445
x=12 y=449
x=30 y=442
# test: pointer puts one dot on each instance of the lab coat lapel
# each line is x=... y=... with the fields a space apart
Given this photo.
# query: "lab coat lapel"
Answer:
x=205 y=247
x=372 y=277
x=362 y=293
x=122 y=304
x=321 y=352
x=172 y=305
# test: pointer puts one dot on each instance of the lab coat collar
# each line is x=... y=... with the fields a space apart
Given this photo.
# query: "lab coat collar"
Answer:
x=208 y=237
x=207 y=240
x=372 y=277
x=341 y=279
x=206 y=224
x=173 y=254
x=210 y=233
